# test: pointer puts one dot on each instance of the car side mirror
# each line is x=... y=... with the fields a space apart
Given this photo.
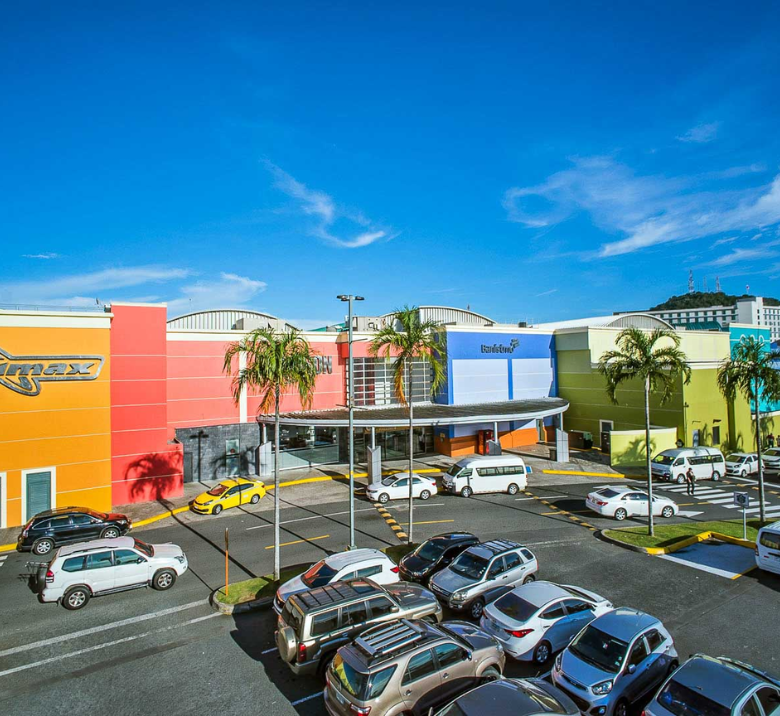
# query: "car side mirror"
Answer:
x=631 y=668
x=395 y=609
x=469 y=655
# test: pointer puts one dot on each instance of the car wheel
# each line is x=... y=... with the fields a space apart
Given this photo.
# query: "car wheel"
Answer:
x=679 y=479
x=529 y=578
x=384 y=497
x=76 y=598
x=255 y=499
x=743 y=473
x=43 y=546
x=217 y=509
x=621 y=708
x=667 y=512
x=424 y=495
x=325 y=663
x=476 y=609
x=542 y=653
x=110 y=533
x=620 y=514
x=715 y=476
x=164 y=579
x=466 y=492
x=512 y=489
x=491 y=674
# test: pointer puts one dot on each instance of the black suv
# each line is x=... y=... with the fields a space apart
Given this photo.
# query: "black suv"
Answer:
x=49 y=529
x=433 y=555
x=315 y=623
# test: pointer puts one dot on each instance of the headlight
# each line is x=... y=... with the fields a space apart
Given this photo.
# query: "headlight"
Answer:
x=558 y=660
x=667 y=474
x=458 y=597
x=602 y=688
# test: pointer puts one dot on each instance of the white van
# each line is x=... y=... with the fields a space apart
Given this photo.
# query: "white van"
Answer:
x=708 y=464
x=768 y=548
x=474 y=475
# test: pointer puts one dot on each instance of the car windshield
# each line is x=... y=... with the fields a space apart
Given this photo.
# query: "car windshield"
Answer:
x=608 y=492
x=147 y=549
x=735 y=458
x=663 y=459
x=682 y=701
x=387 y=481
x=469 y=565
x=217 y=491
x=352 y=681
x=431 y=550
x=515 y=607
x=292 y=617
x=318 y=575
x=773 y=452
x=600 y=649
x=454 y=470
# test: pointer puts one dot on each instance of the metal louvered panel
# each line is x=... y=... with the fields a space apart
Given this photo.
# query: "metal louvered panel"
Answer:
x=227 y=320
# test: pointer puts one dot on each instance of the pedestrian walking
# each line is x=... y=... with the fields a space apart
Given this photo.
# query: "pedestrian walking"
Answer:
x=770 y=440
x=690 y=478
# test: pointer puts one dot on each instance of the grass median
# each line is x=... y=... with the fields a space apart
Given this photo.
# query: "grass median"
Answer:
x=261 y=587
x=667 y=535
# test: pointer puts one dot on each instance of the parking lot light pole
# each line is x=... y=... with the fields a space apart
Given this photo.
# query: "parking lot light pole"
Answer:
x=349 y=298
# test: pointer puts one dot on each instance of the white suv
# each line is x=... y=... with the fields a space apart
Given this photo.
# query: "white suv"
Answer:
x=81 y=571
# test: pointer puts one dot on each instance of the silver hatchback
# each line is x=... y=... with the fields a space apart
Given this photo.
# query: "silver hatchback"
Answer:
x=615 y=661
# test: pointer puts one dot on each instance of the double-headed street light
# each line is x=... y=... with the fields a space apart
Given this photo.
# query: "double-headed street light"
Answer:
x=349 y=298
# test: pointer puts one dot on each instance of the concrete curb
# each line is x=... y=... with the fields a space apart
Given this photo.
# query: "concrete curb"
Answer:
x=681 y=544
x=241 y=608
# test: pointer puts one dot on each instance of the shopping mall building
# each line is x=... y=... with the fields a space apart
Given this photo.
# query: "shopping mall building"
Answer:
x=124 y=405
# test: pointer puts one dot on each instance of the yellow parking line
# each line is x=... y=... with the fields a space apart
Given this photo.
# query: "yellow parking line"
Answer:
x=742 y=574
x=299 y=541
x=428 y=522
x=552 y=513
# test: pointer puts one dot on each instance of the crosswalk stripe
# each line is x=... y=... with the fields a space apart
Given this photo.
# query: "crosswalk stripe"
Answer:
x=711 y=492
x=675 y=488
x=721 y=501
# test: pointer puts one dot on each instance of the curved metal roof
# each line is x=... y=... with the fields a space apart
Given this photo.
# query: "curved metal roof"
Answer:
x=449 y=314
x=227 y=319
x=427 y=414
x=623 y=320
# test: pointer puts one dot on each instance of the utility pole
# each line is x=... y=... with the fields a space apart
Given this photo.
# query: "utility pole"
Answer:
x=349 y=298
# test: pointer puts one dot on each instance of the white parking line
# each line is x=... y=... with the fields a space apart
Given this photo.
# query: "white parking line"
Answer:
x=552 y=542
x=268 y=651
x=306 y=698
x=107 y=644
x=312 y=517
x=104 y=627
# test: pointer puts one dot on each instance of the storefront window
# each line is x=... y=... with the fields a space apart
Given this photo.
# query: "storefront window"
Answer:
x=374 y=381
x=306 y=446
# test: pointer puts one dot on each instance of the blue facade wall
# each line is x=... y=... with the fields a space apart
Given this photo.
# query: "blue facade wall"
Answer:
x=759 y=332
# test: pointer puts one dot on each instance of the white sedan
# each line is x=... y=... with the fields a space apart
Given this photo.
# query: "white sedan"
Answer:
x=623 y=501
x=396 y=487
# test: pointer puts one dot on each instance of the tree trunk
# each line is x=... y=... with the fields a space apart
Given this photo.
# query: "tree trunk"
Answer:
x=411 y=453
x=760 y=464
x=650 y=523
x=277 y=457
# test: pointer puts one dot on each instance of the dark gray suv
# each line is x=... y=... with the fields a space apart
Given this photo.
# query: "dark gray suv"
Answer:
x=315 y=623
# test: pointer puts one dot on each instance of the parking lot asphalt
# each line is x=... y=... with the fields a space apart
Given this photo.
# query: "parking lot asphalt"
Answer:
x=169 y=653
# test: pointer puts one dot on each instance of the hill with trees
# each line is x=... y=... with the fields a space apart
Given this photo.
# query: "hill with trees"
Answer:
x=705 y=299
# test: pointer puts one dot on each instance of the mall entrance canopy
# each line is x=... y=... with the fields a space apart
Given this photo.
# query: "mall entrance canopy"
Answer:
x=426 y=414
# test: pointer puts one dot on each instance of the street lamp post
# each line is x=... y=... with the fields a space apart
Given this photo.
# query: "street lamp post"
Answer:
x=349 y=298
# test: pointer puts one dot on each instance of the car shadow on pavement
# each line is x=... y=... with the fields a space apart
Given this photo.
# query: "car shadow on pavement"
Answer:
x=254 y=635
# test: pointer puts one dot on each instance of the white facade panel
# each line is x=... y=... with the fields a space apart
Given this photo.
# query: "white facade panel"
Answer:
x=479 y=381
x=531 y=378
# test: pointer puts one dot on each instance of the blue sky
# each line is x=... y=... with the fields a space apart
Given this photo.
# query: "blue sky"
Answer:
x=532 y=161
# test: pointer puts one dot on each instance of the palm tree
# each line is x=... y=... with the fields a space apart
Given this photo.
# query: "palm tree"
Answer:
x=639 y=358
x=413 y=339
x=275 y=363
x=751 y=371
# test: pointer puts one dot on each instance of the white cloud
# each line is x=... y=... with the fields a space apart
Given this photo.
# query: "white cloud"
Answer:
x=739 y=255
x=326 y=214
x=546 y=293
x=41 y=256
x=647 y=210
x=83 y=289
x=229 y=291
x=701 y=133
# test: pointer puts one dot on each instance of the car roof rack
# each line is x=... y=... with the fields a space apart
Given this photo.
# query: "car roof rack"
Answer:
x=388 y=639
x=498 y=546
x=336 y=592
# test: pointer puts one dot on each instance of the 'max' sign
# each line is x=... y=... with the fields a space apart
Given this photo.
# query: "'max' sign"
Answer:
x=500 y=347
x=24 y=374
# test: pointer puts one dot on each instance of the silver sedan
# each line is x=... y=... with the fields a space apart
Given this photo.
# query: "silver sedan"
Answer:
x=623 y=501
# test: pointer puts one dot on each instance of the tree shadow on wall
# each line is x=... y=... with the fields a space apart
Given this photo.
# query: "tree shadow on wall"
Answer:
x=154 y=477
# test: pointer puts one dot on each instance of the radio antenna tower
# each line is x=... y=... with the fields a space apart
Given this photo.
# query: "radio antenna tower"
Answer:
x=691 y=288
x=705 y=284
x=717 y=284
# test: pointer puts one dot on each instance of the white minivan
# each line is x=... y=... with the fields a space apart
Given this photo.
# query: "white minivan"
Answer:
x=768 y=548
x=499 y=473
x=708 y=463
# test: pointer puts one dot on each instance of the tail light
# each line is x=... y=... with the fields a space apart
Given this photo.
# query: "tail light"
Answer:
x=519 y=633
x=360 y=710
x=394 y=570
x=301 y=653
x=600 y=503
x=25 y=531
x=49 y=577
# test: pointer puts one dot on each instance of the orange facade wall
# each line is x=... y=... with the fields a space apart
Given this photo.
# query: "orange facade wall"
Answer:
x=467 y=444
x=66 y=428
x=146 y=463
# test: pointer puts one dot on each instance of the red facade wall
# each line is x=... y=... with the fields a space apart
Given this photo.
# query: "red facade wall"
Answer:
x=145 y=464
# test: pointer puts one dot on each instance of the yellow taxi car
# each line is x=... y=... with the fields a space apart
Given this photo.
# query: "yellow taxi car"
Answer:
x=229 y=493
